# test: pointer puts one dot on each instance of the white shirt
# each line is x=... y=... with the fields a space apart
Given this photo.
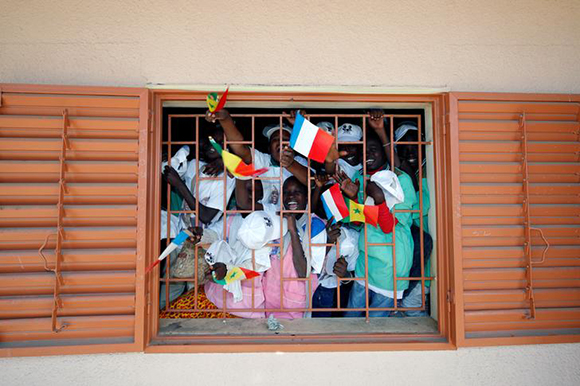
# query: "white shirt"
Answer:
x=348 y=242
x=272 y=187
x=211 y=192
x=348 y=168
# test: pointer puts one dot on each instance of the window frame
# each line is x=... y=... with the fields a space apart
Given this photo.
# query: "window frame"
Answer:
x=444 y=339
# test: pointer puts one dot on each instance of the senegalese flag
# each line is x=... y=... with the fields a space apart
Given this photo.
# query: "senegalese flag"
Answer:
x=215 y=103
x=235 y=274
x=235 y=164
x=363 y=213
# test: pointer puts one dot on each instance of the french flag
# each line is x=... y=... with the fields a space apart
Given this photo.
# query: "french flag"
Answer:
x=334 y=204
x=310 y=140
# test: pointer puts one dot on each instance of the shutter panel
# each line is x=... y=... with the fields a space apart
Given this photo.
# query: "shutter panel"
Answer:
x=72 y=174
x=517 y=222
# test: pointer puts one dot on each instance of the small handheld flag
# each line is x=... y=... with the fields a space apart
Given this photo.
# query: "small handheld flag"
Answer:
x=177 y=242
x=310 y=140
x=334 y=205
x=235 y=274
x=215 y=103
x=363 y=213
x=235 y=164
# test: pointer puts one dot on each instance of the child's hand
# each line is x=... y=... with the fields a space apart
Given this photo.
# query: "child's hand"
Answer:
x=214 y=168
x=376 y=120
x=346 y=185
x=334 y=154
x=321 y=180
x=375 y=192
x=171 y=175
x=287 y=158
x=291 y=221
x=197 y=233
x=220 y=270
x=292 y=118
x=341 y=267
x=332 y=231
x=219 y=116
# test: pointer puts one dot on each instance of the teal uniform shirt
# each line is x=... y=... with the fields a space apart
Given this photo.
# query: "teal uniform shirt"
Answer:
x=380 y=258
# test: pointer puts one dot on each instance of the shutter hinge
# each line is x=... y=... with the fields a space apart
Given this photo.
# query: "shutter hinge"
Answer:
x=450 y=297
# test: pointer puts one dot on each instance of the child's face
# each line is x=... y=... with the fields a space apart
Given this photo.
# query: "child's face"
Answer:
x=376 y=157
x=294 y=195
x=353 y=156
x=409 y=153
x=275 y=143
x=207 y=152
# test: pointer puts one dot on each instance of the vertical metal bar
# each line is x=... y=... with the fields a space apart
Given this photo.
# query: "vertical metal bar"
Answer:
x=281 y=198
x=253 y=154
x=196 y=265
x=421 y=237
x=394 y=247
x=527 y=224
x=337 y=244
x=168 y=239
x=225 y=219
x=364 y=185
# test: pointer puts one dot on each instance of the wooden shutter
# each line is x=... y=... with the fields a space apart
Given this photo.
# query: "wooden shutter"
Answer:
x=515 y=162
x=72 y=174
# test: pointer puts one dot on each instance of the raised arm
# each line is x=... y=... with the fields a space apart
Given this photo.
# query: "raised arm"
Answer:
x=377 y=123
x=298 y=257
x=231 y=132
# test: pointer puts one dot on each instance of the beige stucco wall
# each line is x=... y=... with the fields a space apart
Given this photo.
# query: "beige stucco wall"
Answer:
x=524 y=365
x=494 y=45
x=474 y=45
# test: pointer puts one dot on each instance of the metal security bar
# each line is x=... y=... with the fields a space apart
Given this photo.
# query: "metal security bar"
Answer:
x=195 y=125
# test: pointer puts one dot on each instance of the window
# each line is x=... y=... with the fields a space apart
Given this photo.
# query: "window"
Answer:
x=178 y=128
x=80 y=169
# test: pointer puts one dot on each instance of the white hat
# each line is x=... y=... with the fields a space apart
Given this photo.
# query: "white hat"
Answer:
x=270 y=129
x=219 y=252
x=326 y=126
x=349 y=132
x=259 y=228
x=391 y=187
x=403 y=129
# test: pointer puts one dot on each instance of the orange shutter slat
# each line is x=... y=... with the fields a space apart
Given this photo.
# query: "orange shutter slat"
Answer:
x=96 y=255
x=493 y=287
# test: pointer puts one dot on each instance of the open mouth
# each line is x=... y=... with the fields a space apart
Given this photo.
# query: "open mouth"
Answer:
x=350 y=158
x=292 y=205
x=370 y=161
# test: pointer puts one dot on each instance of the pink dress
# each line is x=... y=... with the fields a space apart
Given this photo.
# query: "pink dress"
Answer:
x=214 y=293
x=294 y=291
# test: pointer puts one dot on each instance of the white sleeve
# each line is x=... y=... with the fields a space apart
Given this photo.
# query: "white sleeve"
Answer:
x=190 y=174
x=349 y=247
x=318 y=253
x=261 y=160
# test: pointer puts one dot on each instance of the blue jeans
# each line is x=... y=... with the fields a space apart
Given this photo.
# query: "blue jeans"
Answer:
x=323 y=298
x=357 y=299
x=414 y=299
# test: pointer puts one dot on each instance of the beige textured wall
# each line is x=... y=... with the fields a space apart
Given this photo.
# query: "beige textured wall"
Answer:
x=496 y=366
x=467 y=45
x=494 y=45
